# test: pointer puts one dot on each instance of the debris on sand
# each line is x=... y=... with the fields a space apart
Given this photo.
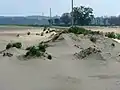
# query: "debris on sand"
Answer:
x=28 y=33
x=37 y=34
x=18 y=35
x=56 y=36
x=7 y=54
x=42 y=33
x=113 y=44
x=86 y=52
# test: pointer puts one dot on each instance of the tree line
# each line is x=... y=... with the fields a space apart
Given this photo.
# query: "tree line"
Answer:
x=84 y=16
x=81 y=15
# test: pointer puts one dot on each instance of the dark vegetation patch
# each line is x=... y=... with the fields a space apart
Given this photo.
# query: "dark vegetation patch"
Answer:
x=78 y=30
x=17 y=45
x=86 y=52
x=37 y=51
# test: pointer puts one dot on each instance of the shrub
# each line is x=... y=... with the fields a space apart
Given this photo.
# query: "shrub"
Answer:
x=17 y=45
x=49 y=57
x=42 y=47
x=118 y=36
x=93 y=39
x=37 y=51
x=78 y=30
x=110 y=35
x=9 y=45
x=33 y=51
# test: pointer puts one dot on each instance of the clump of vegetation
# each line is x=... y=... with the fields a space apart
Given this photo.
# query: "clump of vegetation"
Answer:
x=9 y=45
x=36 y=51
x=117 y=36
x=78 y=30
x=17 y=45
x=42 y=47
x=28 y=33
x=93 y=39
x=110 y=35
x=86 y=52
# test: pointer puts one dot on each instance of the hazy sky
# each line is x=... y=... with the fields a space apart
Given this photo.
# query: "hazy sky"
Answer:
x=37 y=7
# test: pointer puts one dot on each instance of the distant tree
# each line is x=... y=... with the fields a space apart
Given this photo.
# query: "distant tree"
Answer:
x=82 y=15
x=114 y=20
x=57 y=21
x=50 y=21
x=66 y=18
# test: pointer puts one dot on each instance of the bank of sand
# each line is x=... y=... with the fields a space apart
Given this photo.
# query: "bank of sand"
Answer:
x=64 y=71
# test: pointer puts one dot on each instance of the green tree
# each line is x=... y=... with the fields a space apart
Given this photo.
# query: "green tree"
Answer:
x=66 y=18
x=57 y=21
x=82 y=15
x=50 y=21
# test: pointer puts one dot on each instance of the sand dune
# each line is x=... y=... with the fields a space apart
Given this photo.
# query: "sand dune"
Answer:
x=64 y=71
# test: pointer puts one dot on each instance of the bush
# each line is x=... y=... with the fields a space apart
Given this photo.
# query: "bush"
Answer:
x=37 y=51
x=49 y=57
x=93 y=39
x=78 y=30
x=33 y=51
x=42 y=47
x=17 y=45
x=9 y=45
x=118 y=36
x=110 y=35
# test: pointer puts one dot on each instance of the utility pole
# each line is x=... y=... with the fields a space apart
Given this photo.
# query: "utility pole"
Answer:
x=50 y=17
x=72 y=21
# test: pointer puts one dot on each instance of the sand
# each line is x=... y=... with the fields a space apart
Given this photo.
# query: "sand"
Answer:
x=64 y=71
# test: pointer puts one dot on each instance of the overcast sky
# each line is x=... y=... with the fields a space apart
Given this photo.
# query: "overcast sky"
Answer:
x=37 y=7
